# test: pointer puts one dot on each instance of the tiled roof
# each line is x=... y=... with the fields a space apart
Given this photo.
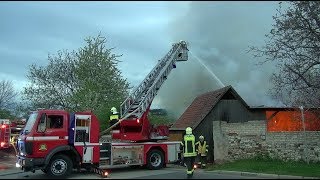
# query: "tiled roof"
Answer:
x=200 y=108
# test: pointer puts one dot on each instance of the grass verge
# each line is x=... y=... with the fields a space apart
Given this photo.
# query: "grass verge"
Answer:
x=271 y=166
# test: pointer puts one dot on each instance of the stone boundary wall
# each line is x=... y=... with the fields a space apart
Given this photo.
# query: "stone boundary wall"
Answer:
x=234 y=141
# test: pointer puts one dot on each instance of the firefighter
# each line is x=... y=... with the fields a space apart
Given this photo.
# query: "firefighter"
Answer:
x=114 y=117
x=189 y=151
x=202 y=150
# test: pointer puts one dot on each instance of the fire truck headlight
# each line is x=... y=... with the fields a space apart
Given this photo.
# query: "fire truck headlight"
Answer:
x=105 y=174
x=2 y=144
x=18 y=165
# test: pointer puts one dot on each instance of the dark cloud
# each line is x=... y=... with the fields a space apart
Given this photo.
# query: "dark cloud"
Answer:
x=31 y=30
x=219 y=33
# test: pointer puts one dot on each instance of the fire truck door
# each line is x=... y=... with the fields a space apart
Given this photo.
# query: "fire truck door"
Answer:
x=82 y=137
x=50 y=134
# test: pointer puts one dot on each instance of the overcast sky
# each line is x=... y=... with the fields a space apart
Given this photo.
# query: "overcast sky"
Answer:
x=219 y=33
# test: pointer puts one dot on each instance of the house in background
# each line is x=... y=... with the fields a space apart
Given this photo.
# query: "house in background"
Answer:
x=222 y=116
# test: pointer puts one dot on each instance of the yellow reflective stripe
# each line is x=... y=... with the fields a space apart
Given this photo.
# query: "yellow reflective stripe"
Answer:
x=114 y=117
x=192 y=139
x=202 y=149
x=190 y=172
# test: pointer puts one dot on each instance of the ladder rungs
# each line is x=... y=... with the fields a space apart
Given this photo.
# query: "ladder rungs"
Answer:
x=141 y=95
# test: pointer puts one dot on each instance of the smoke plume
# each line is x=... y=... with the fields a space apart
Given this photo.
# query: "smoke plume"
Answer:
x=219 y=33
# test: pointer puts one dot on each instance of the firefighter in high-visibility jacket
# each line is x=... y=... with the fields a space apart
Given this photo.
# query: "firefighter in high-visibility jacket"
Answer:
x=202 y=150
x=189 y=150
x=114 y=117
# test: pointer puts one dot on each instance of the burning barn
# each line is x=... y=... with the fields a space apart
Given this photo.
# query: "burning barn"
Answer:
x=235 y=130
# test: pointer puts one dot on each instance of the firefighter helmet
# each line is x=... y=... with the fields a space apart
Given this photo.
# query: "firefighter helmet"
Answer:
x=201 y=137
x=114 y=110
x=188 y=130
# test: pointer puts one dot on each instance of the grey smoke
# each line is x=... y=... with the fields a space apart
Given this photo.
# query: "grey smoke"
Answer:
x=220 y=33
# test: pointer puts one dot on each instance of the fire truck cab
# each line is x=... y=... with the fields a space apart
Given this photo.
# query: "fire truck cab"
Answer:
x=51 y=143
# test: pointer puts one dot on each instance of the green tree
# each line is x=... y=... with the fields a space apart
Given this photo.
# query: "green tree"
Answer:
x=86 y=79
x=6 y=114
x=7 y=94
x=160 y=119
x=22 y=110
x=294 y=44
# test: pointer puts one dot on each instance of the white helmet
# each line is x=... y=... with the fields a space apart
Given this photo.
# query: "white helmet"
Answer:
x=188 y=130
x=114 y=110
x=201 y=137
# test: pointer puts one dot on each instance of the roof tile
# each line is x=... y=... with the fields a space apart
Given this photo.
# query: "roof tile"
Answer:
x=199 y=109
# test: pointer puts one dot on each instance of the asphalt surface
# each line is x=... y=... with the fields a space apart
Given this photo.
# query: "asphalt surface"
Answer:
x=7 y=159
x=9 y=171
x=125 y=173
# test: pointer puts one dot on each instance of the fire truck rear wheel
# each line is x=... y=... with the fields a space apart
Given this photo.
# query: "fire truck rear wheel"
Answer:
x=155 y=159
x=59 y=166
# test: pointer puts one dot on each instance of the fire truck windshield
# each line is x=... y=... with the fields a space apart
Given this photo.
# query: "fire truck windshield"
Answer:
x=30 y=123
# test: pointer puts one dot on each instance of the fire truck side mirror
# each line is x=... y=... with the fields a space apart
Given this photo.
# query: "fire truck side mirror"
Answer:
x=43 y=123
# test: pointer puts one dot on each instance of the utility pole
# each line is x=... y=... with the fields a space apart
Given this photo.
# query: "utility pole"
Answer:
x=305 y=136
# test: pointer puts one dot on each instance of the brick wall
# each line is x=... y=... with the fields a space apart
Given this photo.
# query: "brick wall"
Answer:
x=245 y=140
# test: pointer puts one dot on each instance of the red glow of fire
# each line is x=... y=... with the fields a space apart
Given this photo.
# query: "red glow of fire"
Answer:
x=292 y=121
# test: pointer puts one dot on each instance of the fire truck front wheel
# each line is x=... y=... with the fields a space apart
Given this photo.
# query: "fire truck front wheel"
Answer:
x=155 y=159
x=60 y=166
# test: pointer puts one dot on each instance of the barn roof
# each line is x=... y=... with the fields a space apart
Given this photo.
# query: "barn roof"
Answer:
x=201 y=106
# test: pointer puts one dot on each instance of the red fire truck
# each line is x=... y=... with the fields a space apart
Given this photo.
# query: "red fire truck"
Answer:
x=16 y=127
x=9 y=130
x=5 y=133
x=57 y=141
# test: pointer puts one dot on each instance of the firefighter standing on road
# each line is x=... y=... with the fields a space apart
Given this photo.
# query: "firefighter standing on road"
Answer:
x=202 y=149
x=189 y=150
x=114 y=117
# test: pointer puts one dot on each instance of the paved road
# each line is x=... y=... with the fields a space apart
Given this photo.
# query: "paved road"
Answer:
x=125 y=173
x=9 y=171
x=7 y=159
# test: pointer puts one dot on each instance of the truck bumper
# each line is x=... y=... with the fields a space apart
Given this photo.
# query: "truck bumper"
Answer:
x=29 y=164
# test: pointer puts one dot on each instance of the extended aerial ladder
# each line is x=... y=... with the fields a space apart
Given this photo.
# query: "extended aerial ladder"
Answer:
x=134 y=123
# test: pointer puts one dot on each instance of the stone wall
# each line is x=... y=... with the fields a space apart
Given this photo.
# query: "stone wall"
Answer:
x=245 y=140
x=291 y=145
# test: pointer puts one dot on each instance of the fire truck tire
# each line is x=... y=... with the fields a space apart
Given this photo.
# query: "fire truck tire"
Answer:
x=155 y=159
x=60 y=166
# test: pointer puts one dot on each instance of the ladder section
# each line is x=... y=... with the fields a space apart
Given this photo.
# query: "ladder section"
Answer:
x=137 y=103
x=5 y=133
